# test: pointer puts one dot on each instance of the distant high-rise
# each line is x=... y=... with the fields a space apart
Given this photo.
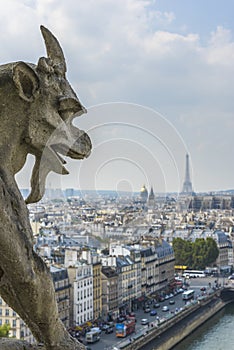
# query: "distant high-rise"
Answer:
x=187 y=185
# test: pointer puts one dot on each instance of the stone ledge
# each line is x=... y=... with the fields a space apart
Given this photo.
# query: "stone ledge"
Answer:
x=14 y=344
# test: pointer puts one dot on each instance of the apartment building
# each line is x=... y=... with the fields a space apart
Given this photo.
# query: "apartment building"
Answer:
x=110 y=297
x=62 y=293
x=135 y=256
x=149 y=271
x=81 y=279
x=97 y=288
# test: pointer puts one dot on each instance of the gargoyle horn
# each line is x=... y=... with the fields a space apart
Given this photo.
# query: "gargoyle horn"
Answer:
x=53 y=49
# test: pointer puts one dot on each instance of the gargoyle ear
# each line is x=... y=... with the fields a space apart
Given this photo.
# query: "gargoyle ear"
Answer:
x=26 y=81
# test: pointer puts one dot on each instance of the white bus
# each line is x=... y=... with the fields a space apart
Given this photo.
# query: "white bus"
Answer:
x=193 y=273
x=188 y=294
x=92 y=337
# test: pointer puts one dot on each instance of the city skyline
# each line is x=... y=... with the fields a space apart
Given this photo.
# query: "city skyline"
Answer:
x=156 y=78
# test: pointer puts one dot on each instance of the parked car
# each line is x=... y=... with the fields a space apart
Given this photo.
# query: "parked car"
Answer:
x=153 y=313
x=104 y=327
x=156 y=305
x=109 y=330
x=144 y=321
x=147 y=309
x=165 y=308
x=172 y=301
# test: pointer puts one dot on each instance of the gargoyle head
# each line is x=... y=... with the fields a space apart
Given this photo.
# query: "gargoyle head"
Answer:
x=50 y=104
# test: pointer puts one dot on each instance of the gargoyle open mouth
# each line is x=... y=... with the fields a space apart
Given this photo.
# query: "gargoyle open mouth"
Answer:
x=51 y=159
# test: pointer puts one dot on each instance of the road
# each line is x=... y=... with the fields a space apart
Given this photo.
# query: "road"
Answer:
x=108 y=341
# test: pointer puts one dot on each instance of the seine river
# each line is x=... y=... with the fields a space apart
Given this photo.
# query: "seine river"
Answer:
x=216 y=334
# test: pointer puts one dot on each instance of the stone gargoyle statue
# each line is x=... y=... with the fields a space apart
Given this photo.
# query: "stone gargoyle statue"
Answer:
x=37 y=106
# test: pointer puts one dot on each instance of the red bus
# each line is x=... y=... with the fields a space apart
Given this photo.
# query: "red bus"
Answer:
x=125 y=328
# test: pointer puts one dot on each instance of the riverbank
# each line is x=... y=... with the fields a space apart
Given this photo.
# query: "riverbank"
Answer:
x=174 y=330
x=163 y=336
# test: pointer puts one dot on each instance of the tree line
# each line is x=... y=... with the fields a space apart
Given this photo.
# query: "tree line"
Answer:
x=196 y=255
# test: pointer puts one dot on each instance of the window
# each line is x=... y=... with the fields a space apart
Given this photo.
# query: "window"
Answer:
x=7 y=312
x=22 y=334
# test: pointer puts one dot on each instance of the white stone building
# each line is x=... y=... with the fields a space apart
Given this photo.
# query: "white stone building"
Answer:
x=81 y=279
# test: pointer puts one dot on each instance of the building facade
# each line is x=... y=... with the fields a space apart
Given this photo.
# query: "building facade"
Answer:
x=81 y=278
x=110 y=297
x=62 y=293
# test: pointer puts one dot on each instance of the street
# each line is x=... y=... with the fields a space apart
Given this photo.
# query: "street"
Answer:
x=108 y=341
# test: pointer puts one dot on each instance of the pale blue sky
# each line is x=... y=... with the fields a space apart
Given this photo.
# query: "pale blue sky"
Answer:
x=173 y=57
x=200 y=16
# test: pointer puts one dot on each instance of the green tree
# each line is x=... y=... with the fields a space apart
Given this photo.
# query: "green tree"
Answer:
x=183 y=251
x=178 y=247
x=198 y=260
x=4 y=330
x=188 y=253
x=212 y=251
x=196 y=255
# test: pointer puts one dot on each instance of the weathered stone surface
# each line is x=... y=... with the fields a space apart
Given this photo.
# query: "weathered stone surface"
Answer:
x=13 y=344
x=37 y=106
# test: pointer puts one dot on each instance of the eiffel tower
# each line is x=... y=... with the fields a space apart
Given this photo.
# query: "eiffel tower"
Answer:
x=187 y=185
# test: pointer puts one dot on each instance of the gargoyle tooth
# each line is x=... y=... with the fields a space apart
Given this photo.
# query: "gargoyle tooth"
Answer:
x=48 y=161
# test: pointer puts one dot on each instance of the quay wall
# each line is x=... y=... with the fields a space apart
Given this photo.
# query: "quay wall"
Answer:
x=173 y=331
